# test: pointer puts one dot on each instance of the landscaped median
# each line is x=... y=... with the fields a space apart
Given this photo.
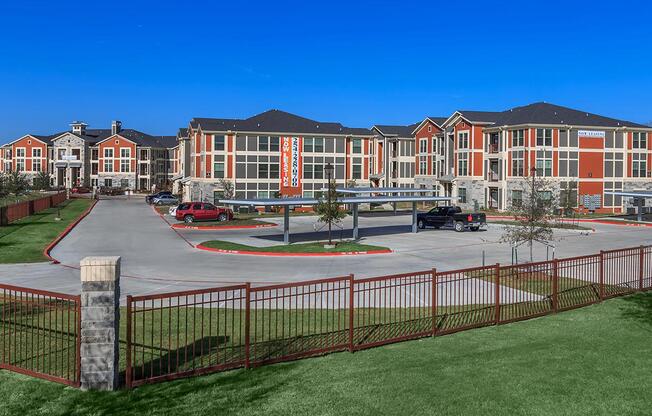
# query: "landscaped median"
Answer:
x=347 y=248
x=27 y=240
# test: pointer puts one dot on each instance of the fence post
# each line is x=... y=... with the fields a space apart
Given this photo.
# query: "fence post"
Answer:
x=100 y=323
x=640 y=268
x=601 y=275
x=247 y=324
x=351 y=310
x=497 y=294
x=128 y=371
x=555 y=285
x=434 y=301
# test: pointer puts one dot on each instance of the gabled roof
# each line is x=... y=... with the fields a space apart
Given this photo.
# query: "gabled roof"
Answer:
x=275 y=121
x=47 y=139
x=167 y=141
x=439 y=121
x=92 y=136
x=545 y=113
x=182 y=133
x=140 y=138
x=396 y=131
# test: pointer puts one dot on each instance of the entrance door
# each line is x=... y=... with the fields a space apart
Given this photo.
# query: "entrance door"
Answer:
x=493 y=198
x=61 y=177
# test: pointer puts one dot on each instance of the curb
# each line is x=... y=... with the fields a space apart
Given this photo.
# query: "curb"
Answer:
x=221 y=227
x=275 y=254
x=585 y=220
x=48 y=249
x=171 y=227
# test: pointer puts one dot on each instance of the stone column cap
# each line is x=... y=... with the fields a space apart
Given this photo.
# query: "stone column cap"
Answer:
x=100 y=269
x=100 y=261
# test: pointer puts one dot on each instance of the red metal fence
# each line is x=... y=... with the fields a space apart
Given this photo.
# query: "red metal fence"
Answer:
x=14 y=212
x=40 y=334
x=185 y=333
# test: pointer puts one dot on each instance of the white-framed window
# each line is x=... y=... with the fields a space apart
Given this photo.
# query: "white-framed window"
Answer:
x=36 y=152
x=518 y=163
x=20 y=152
x=613 y=164
x=36 y=165
x=639 y=165
x=357 y=171
x=423 y=156
x=517 y=198
x=463 y=139
x=218 y=143
x=569 y=164
x=313 y=170
x=218 y=170
x=544 y=163
x=544 y=137
x=20 y=165
x=108 y=153
x=125 y=159
x=356 y=146
x=518 y=138
x=639 y=140
x=463 y=164
x=461 y=194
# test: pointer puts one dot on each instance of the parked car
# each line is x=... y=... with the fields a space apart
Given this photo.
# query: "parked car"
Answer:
x=150 y=198
x=173 y=211
x=81 y=190
x=165 y=200
x=451 y=217
x=189 y=212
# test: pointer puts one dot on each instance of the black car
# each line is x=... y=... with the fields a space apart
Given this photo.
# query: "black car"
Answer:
x=150 y=198
x=451 y=217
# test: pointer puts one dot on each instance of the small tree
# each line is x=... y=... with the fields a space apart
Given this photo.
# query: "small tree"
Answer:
x=228 y=189
x=329 y=208
x=533 y=215
x=17 y=183
x=4 y=185
x=351 y=183
x=42 y=181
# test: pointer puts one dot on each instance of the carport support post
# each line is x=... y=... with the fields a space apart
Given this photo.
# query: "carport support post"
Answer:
x=355 y=220
x=414 y=217
x=639 y=211
x=100 y=323
x=286 y=224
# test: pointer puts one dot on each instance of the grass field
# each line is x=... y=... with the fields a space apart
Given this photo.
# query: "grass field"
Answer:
x=23 y=241
x=294 y=248
x=591 y=361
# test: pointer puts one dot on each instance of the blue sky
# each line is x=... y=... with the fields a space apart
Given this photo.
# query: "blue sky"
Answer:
x=155 y=65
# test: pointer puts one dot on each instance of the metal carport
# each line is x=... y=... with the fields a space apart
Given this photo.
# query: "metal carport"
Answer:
x=640 y=195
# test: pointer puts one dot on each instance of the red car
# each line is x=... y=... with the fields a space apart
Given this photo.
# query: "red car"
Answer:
x=189 y=212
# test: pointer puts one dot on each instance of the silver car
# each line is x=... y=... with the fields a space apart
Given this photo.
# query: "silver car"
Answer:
x=166 y=200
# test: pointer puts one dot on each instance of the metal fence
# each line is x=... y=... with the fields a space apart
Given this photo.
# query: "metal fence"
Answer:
x=179 y=334
x=40 y=334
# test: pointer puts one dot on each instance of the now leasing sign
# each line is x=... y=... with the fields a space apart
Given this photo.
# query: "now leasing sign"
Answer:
x=591 y=134
x=291 y=165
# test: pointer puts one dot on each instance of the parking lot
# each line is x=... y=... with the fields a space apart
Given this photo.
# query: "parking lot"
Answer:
x=157 y=258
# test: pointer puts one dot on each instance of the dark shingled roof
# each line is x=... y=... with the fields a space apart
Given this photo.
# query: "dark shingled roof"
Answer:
x=276 y=121
x=167 y=141
x=545 y=113
x=396 y=131
x=183 y=132
x=438 y=120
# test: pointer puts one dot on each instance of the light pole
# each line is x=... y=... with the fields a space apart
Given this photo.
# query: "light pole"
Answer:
x=329 y=174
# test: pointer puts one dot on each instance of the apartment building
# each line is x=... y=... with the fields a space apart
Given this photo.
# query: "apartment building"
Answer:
x=114 y=157
x=581 y=154
x=275 y=154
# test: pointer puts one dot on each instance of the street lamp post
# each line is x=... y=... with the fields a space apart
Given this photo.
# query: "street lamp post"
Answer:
x=329 y=174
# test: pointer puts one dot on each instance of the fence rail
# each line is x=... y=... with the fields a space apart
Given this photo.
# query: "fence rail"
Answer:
x=40 y=334
x=180 y=334
x=14 y=212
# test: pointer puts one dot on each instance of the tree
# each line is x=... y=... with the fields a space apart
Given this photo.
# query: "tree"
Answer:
x=329 y=208
x=228 y=190
x=42 y=181
x=4 y=185
x=533 y=215
x=17 y=183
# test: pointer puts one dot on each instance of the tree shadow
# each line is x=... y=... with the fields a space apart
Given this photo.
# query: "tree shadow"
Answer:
x=638 y=307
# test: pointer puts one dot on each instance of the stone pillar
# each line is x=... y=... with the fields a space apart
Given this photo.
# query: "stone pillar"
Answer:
x=100 y=323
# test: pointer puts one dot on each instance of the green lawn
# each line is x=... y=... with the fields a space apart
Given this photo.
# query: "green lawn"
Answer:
x=294 y=248
x=23 y=241
x=590 y=361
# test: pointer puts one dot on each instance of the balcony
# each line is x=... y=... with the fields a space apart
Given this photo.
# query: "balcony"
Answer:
x=493 y=148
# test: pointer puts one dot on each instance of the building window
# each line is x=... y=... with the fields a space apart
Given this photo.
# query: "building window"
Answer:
x=263 y=143
x=518 y=163
x=463 y=140
x=517 y=198
x=36 y=152
x=308 y=144
x=544 y=163
x=613 y=165
x=124 y=183
x=125 y=155
x=108 y=183
x=124 y=165
x=263 y=170
x=36 y=165
x=218 y=170
x=94 y=154
x=423 y=158
x=518 y=138
x=357 y=171
x=274 y=144
x=313 y=171
x=568 y=164
x=20 y=152
x=218 y=143
x=356 y=146
x=639 y=165
x=20 y=165
x=639 y=140
x=93 y=168
x=568 y=194
x=463 y=164
x=461 y=193
x=544 y=137
x=274 y=169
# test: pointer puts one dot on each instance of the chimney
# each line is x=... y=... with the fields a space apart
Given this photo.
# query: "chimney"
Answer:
x=78 y=127
x=116 y=127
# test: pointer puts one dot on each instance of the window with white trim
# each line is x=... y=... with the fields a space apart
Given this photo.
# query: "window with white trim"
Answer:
x=356 y=146
x=518 y=163
x=218 y=170
x=218 y=143
x=463 y=139
x=544 y=137
x=639 y=140
x=125 y=162
x=463 y=164
x=518 y=138
x=639 y=165
x=544 y=163
x=423 y=156
x=568 y=164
